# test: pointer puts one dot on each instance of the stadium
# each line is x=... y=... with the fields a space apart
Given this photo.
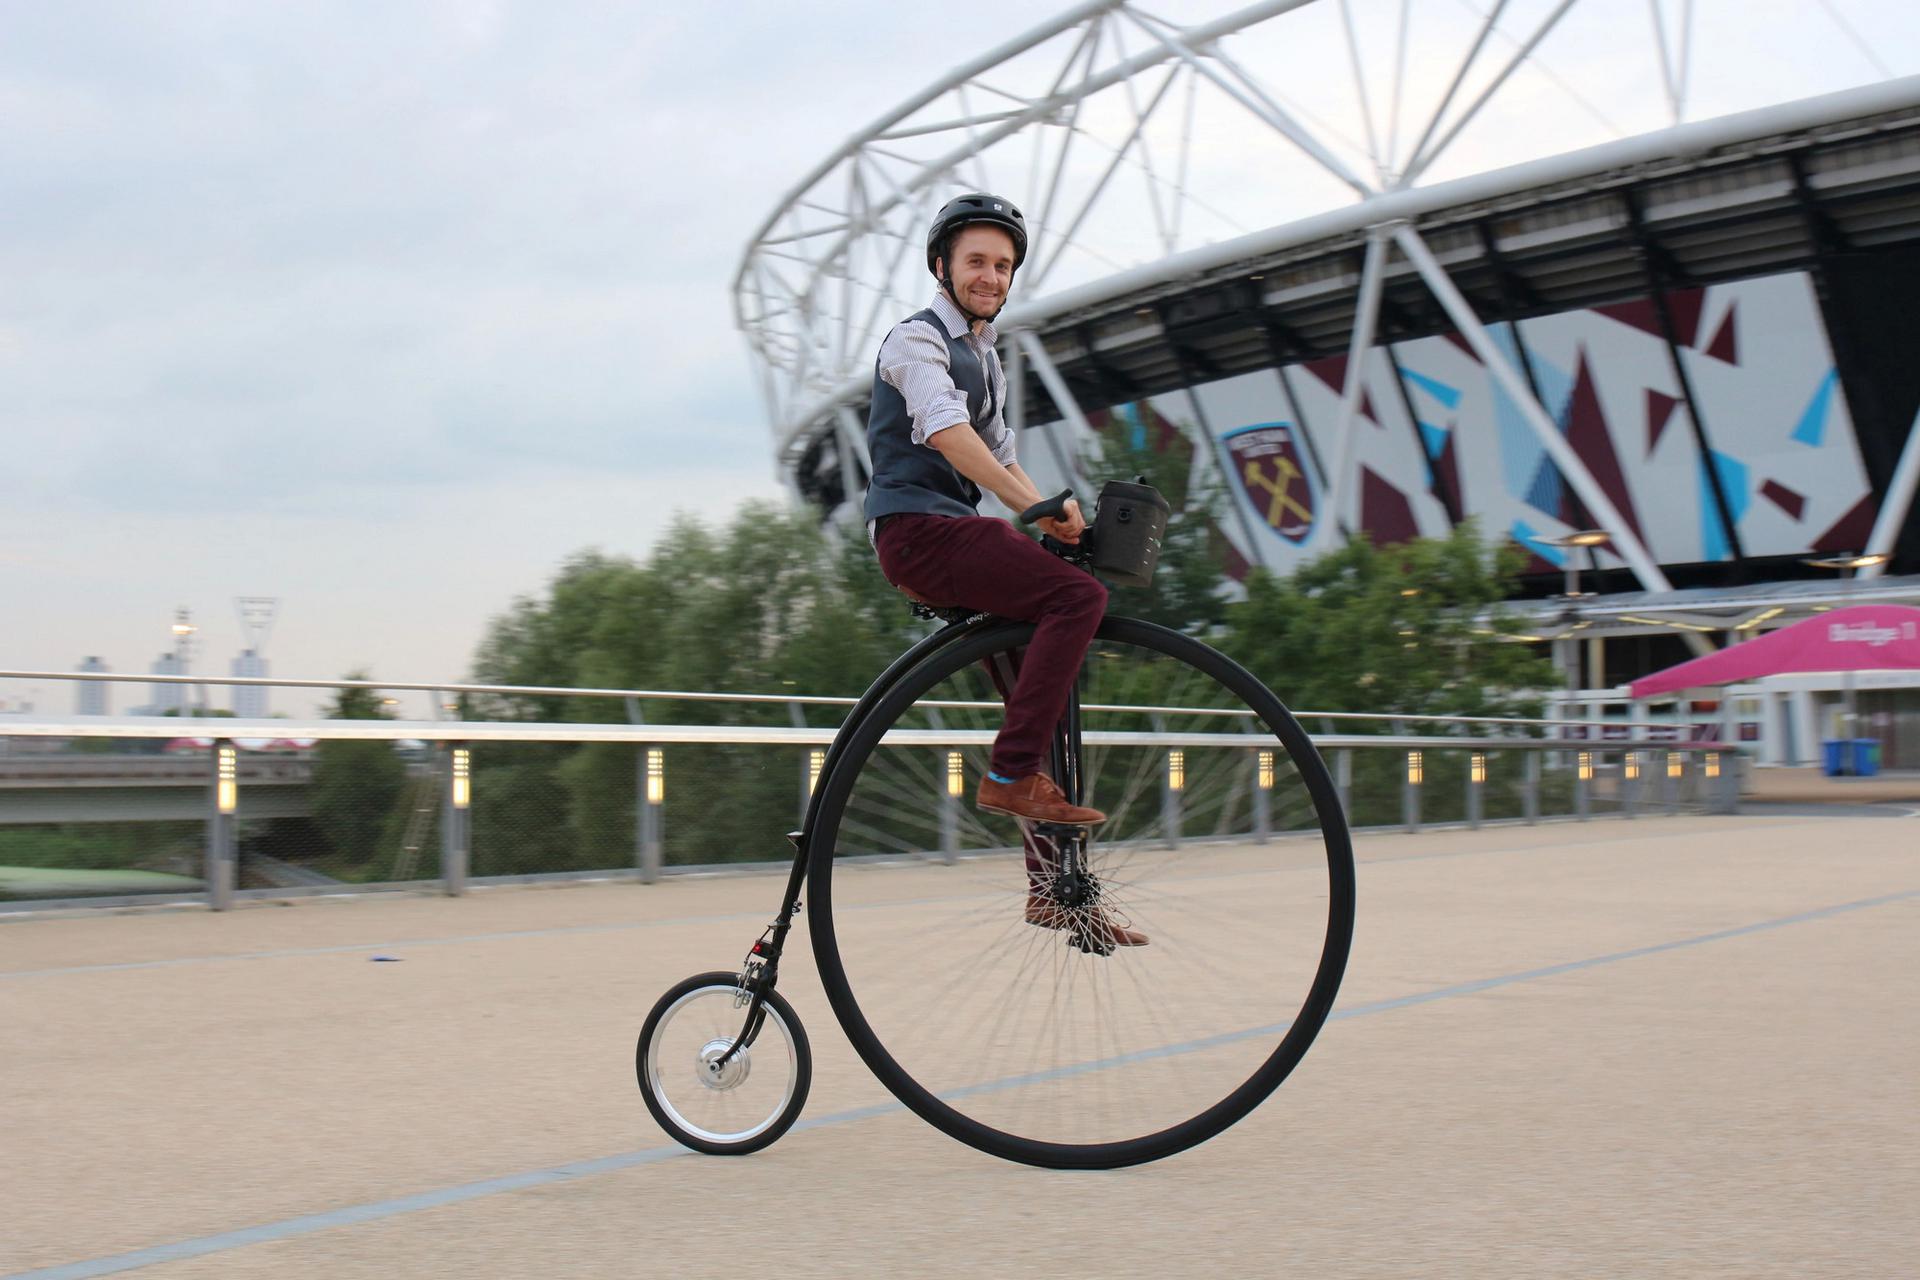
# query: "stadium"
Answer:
x=1557 y=268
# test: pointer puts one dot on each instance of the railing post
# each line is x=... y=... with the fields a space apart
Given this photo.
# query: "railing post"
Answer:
x=1629 y=783
x=1729 y=798
x=1262 y=796
x=1530 y=789
x=653 y=795
x=810 y=764
x=225 y=797
x=956 y=785
x=456 y=845
x=1343 y=777
x=1172 y=783
x=1670 y=786
x=1476 y=784
x=1583 y=784
x=1410 y=791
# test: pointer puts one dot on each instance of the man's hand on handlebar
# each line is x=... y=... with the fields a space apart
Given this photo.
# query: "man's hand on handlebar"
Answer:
x=1067 y=528
x=1058 y=517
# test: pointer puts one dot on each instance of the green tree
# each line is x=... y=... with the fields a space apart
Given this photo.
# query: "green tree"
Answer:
x=1415 y=628
x=356 y=784
x=772 y=603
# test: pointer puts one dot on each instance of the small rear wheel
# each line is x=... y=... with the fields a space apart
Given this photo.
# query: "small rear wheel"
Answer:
x=707 y=1099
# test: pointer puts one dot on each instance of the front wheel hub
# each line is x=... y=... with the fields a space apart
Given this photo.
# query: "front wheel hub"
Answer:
x=718 y=1076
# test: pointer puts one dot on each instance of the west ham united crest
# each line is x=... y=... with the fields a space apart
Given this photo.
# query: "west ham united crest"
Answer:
x=1268 y=470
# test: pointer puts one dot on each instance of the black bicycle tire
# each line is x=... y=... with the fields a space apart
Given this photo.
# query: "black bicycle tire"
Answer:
x=860 y=739
x=803 y=1051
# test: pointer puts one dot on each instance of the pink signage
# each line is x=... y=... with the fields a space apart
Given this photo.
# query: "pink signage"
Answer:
x=1864 y=637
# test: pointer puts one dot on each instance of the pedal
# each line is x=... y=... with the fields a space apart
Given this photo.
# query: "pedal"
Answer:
x=796 y=838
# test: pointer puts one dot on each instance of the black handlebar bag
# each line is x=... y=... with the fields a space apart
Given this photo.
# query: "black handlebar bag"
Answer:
x=1128 y=525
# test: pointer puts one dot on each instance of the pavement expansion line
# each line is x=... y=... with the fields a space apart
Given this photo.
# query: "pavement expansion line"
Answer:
x=306 y=1224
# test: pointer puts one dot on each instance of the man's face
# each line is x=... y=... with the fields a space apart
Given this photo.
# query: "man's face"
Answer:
x=982 y=266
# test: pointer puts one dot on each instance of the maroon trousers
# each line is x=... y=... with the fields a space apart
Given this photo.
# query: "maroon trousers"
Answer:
x=977 y=562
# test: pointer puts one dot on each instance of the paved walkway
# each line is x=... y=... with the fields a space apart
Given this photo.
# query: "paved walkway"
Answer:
x=1811 y=786
x=1680 y=1046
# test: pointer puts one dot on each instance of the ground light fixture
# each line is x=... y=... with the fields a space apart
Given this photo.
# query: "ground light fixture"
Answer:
x=227 y=794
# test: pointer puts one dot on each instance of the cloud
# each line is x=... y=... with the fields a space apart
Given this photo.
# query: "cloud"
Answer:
x=435 y=291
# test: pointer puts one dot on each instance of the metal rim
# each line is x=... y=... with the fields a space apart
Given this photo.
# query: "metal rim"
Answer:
x=657 y=1078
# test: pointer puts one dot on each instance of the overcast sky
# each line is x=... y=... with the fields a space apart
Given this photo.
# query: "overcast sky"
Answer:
x=385 y=308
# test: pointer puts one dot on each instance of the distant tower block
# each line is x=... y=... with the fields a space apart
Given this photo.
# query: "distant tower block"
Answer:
x=256 y=615
x=168 y=697
x=249 y=700
x=90 y=696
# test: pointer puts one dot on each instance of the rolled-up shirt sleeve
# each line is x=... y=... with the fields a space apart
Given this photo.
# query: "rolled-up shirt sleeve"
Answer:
x=913 y=361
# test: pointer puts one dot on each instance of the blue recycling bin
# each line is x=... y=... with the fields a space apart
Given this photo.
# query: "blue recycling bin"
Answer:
x=1851 y=757
x=1833 y=761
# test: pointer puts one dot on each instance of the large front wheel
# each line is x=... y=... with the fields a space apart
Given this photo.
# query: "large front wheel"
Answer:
x=969 y=956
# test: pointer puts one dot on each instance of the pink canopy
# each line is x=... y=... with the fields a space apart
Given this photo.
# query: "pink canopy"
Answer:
x=1864 y=637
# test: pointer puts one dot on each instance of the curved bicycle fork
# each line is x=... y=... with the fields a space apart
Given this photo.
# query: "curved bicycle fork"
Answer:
x=761 y=969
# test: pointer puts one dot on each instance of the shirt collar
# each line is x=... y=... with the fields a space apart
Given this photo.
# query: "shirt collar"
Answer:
x=956 y=321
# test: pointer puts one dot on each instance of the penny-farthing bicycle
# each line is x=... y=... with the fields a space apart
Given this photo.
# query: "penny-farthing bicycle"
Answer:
x=1042 y=1043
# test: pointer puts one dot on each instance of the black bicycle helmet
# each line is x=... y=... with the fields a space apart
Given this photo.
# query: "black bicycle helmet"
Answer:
x=964 y=210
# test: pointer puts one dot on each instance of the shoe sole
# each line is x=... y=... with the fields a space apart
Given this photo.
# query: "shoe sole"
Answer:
x=1041 y=924
x=990 y=808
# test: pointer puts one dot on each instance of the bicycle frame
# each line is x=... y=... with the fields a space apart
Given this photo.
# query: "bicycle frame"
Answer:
x=761 y=969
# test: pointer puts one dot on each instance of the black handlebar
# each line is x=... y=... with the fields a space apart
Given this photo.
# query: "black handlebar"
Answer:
x=1049 y=509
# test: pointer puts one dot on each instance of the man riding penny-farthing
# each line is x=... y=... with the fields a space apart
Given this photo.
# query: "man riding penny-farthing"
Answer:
x=1139 y=927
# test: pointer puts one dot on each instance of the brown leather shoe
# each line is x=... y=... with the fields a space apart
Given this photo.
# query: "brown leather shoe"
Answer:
x=1051 y=915
x=1034 y=797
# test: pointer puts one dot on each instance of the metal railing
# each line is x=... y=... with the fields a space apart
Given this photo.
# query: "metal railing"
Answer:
x=451 y=803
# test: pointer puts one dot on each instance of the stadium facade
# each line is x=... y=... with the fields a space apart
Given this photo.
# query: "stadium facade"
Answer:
x=1695 y=338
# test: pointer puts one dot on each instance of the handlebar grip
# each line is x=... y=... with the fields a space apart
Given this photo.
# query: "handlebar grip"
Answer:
x=1048 y=509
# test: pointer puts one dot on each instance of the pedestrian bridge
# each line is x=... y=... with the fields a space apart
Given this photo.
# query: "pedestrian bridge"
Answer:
x=141 y=788
x=1674 y=1045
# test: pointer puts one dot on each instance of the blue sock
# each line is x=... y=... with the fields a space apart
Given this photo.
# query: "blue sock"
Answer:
x=997 y=778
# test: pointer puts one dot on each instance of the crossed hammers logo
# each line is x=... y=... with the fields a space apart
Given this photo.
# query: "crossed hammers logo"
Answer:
x=1279 y=488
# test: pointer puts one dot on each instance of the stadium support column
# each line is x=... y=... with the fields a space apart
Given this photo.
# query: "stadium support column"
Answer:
x=1016 y=415
x=1056 y=386
x=1893 y=511
x=1183 y=360
x=1366 y=313
x=1462 y=314
x=852 y=448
